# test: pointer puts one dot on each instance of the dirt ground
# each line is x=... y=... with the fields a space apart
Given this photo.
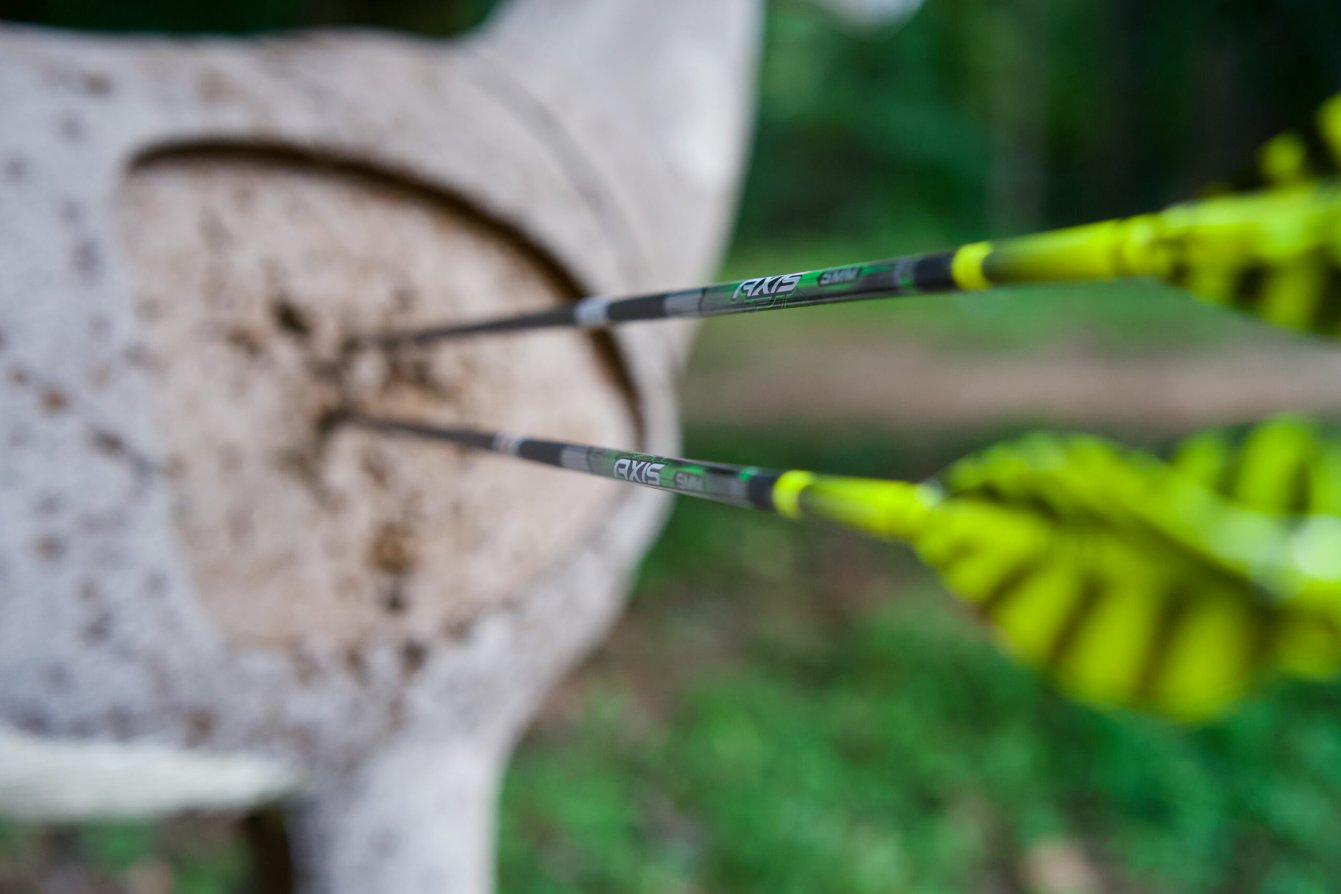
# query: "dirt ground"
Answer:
x=852 y=379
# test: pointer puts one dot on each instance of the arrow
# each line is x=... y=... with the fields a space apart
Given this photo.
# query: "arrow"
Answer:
x=1126 y=580
x=1267 y=243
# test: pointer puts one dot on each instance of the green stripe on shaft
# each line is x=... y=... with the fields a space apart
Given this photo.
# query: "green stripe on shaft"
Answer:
x=745 y=486
x=892 y=278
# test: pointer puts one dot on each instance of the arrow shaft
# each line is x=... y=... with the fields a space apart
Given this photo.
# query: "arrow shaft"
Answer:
x=746 y=486
x=891 y=278
x=877 y=507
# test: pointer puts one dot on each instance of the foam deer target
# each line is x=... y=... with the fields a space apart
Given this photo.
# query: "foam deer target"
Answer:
x=207 y=599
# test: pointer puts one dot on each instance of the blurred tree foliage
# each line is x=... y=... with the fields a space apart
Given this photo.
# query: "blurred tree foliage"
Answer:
x=974 y=116
x=1003 y=114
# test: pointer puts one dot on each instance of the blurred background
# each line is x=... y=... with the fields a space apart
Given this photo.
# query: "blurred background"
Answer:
x=790 y=710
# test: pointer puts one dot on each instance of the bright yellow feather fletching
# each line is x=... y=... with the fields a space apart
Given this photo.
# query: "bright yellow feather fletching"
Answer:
x=1128 y=580
x=1267 y=243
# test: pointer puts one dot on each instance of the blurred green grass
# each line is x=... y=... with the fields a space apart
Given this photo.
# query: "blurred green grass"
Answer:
x=786 y=709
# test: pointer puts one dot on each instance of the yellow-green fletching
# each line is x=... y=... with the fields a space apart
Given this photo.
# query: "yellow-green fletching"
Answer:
x=1268 y=243
x=1294 y=278
x=1288 y=268
x=1286 y=469
x=1065 y=547
x=1111 y=619
x=1275 y=254
x=1127 y=580
x=1285 y=466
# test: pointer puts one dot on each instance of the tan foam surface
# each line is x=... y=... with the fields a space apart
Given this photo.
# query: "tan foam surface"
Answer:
x=250 y=271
